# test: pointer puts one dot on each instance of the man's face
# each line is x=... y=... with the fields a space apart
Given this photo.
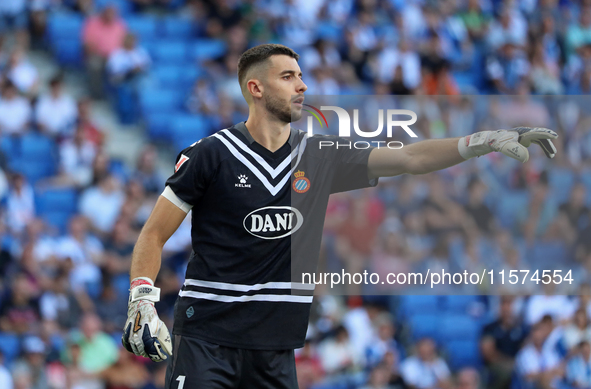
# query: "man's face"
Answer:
x=283 y=92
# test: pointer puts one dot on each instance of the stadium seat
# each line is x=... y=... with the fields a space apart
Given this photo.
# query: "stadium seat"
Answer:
x=68 y=51
x=463 y=353
x=586 y=180
x=144 y=27
x=425 y=325
x=561 y=182
x=124 y=7
x=37 y=146
x=54 y=200
x=458 y=303
x=10 y=346
x=170 y=77
x=188 y=129
x=170 y=52
x=63 y=25
x=511 y=204
x=417 y=304
x=458 y=327
x=178 y=28
x=207 y=49
x=158 y=100
x=57 y=219
x=158 y=125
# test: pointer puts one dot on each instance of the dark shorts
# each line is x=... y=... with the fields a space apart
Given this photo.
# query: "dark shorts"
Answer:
x=197 y=364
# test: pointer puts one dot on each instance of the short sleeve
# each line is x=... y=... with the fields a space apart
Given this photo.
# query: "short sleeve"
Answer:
x=350 y=166
x=193 y=170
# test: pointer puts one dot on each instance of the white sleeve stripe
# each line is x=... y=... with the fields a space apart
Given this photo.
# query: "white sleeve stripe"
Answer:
x=173 y=198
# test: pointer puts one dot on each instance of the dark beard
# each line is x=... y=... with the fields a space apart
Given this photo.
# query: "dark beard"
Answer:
x=281 y=110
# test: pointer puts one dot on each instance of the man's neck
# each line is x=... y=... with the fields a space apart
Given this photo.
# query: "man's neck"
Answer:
x=267 y=130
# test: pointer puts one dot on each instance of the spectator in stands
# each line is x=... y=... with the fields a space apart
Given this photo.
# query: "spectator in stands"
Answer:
x=84 y=251
x=383 y=341
x=468 y=378
x=76 y=158
x=338 y=355
x=579 y=34
x=308 y=366
x=127 y=372
x=31 y=368
x=56 y=111
x=20 y=312
x=477 y=209
x=101 y=204
x=14 y=18
x=378 y=378
x=5 y=377
x=20 y=204
x=536 y=367
x=578 y=330
x=102 y=35
x=147 y=173
x=507 y=67
x=22 y=73
x=111 y=306
x=15 y=111
x=426 y=370
x=91 y=131
x=118 y=248
x=578 y=368
x=399 y=63
x=128 y=63
x=573 y=215
x=98 y=350
x=500 y=343
x=59 y=304
x=475 y=20
x=203 y=98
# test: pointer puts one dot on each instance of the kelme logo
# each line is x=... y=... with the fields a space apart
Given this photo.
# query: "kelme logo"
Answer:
x=190 y=312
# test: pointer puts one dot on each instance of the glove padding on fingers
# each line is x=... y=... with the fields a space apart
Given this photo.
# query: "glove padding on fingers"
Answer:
x=513 y=143
x=144 y=333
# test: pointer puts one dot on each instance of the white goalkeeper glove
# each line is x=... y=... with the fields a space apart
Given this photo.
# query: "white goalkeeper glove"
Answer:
x=513 y=143
x=144 y=333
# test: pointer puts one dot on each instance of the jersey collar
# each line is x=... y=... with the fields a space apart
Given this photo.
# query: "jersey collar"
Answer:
x=241 y=127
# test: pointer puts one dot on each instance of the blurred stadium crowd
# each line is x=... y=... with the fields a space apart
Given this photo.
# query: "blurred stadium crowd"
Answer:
x=70 y=214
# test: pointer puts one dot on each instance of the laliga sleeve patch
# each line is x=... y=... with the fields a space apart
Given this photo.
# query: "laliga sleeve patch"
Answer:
x=180 y=163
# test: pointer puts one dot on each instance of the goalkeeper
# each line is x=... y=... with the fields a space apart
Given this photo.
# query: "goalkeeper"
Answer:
x=255 y=191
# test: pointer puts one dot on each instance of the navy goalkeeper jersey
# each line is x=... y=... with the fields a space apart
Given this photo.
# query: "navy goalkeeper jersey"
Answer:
x=256 y=227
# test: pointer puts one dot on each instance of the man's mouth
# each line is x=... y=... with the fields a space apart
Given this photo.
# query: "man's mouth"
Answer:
x=299 y=101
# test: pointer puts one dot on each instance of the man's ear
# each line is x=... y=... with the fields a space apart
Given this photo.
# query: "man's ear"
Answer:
x=255 y=87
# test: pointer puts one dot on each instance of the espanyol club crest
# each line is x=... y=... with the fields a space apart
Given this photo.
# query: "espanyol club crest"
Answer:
x=301 y=184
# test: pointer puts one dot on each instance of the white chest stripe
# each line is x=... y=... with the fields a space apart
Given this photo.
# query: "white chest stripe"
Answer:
x=273 y=172
x=248 y=288
x=272 y=189
x=242 y=299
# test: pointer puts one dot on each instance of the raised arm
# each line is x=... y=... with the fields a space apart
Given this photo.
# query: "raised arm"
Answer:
x=431 y=155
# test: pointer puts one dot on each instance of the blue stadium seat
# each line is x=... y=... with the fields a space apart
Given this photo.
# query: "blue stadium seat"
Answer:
x=463 y=353
x=37 y=146
x=144 y=27
x=510 y=205
x=57 y=219
x=10 y=346
x=417 y=304
x=458 y=327
x=547 y=255
x=458 y=303
x=33 y=170
x=561 y=182
x=158 y=100
x=124 y=7
x=8 y=147
x=188 y=129
x=425 y=325
x=64 y=25
x=158 y=125
x=53 y=200
x=170 y=52
x=178 y=28
x=586 y=180
x=207 y=49
x=68 y=51
x=169 y=76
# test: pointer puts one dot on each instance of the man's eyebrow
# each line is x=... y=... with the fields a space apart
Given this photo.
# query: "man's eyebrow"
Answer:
x=290 y=72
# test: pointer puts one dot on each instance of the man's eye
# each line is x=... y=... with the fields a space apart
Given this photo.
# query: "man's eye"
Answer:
x=286 y=77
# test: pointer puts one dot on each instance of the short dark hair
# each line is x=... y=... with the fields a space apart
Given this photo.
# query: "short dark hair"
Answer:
x=259 y=54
